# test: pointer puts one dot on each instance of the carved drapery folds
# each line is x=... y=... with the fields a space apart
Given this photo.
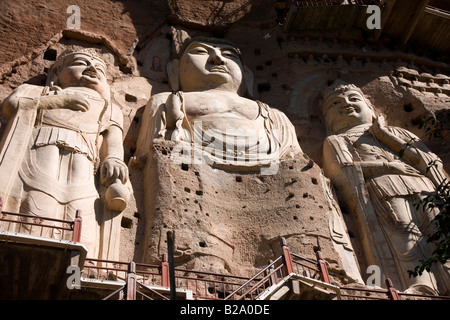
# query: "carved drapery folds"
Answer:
x=381 y=173
x=222 y=168
x=58 y=137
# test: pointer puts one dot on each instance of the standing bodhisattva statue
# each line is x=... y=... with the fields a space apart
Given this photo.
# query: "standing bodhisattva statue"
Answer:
x=381 y=173
x=211 y=113
x=57 y=138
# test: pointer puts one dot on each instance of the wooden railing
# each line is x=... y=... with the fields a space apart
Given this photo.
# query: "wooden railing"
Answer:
x=215 y=286
x=41 y=226
x=280 y=268
x=390 y=293
x=208 y=285
x=255 y=286
x=204 y=285
x=315 y=3
x=138 y=278
x=133 y=289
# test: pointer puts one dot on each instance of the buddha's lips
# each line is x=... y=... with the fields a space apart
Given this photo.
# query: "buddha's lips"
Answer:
x=220 y=69
x=91 y=73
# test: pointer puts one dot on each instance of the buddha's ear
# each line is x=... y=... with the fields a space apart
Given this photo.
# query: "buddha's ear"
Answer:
x=369 y=104
x=248 y=81
x=173 y=73
x=52 y=76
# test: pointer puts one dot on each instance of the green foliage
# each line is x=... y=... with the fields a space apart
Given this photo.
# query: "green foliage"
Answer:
x=439 y=200
x=434 y=126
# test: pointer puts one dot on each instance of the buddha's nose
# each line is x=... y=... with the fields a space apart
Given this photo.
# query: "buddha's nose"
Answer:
x=90 y=70
x=216 y=58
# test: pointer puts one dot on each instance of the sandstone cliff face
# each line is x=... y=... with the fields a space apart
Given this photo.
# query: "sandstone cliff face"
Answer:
x=231 y=222
x=227 y=222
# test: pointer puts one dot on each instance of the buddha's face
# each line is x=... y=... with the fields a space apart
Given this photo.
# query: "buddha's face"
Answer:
x=346 y=109
x=206 y=66
x=84 y=70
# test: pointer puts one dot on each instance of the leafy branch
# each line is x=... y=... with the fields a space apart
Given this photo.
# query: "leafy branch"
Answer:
x=433 y=125
x=439 y=200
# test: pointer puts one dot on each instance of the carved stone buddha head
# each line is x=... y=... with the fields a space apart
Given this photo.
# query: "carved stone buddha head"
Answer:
x=207 y=64
x=345 y=106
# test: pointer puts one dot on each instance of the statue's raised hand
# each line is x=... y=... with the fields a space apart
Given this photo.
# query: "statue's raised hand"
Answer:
x=73 y=101
x=401 y=168
x=378 y=126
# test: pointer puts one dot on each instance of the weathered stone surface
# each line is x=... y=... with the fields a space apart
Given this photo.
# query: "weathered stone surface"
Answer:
x=58 y=136
x=290 y=71
x=382 y=173
x=232 y=221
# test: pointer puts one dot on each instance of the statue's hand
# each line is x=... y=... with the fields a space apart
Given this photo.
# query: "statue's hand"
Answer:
x=174 y=111
x=113 y=169
x=402 y=168
x=77 y=102
x=72 y=101
x=378 y=126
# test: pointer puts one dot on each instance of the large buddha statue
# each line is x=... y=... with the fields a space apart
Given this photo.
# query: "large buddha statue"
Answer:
x=211 y=113
x=58 y=137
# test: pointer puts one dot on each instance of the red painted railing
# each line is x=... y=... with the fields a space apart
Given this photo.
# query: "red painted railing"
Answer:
x=41 y=226
x=206 y=285
x=314 y=3
x=133 y=289
x=254 y=287
x=214 y=286
x=138 y=277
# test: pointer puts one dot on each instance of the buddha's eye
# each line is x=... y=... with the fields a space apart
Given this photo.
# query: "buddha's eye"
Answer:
x=78 y=63
x=100 y=69
x=199 y=50
x=229 y=54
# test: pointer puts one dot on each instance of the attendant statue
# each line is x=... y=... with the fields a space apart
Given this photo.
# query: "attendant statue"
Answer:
x=58 y=137
x=211 y=113
x=382 y=172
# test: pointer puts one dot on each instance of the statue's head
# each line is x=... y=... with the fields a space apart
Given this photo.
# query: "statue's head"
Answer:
x=80 y=68
x=210 y=63
x=344 y=106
